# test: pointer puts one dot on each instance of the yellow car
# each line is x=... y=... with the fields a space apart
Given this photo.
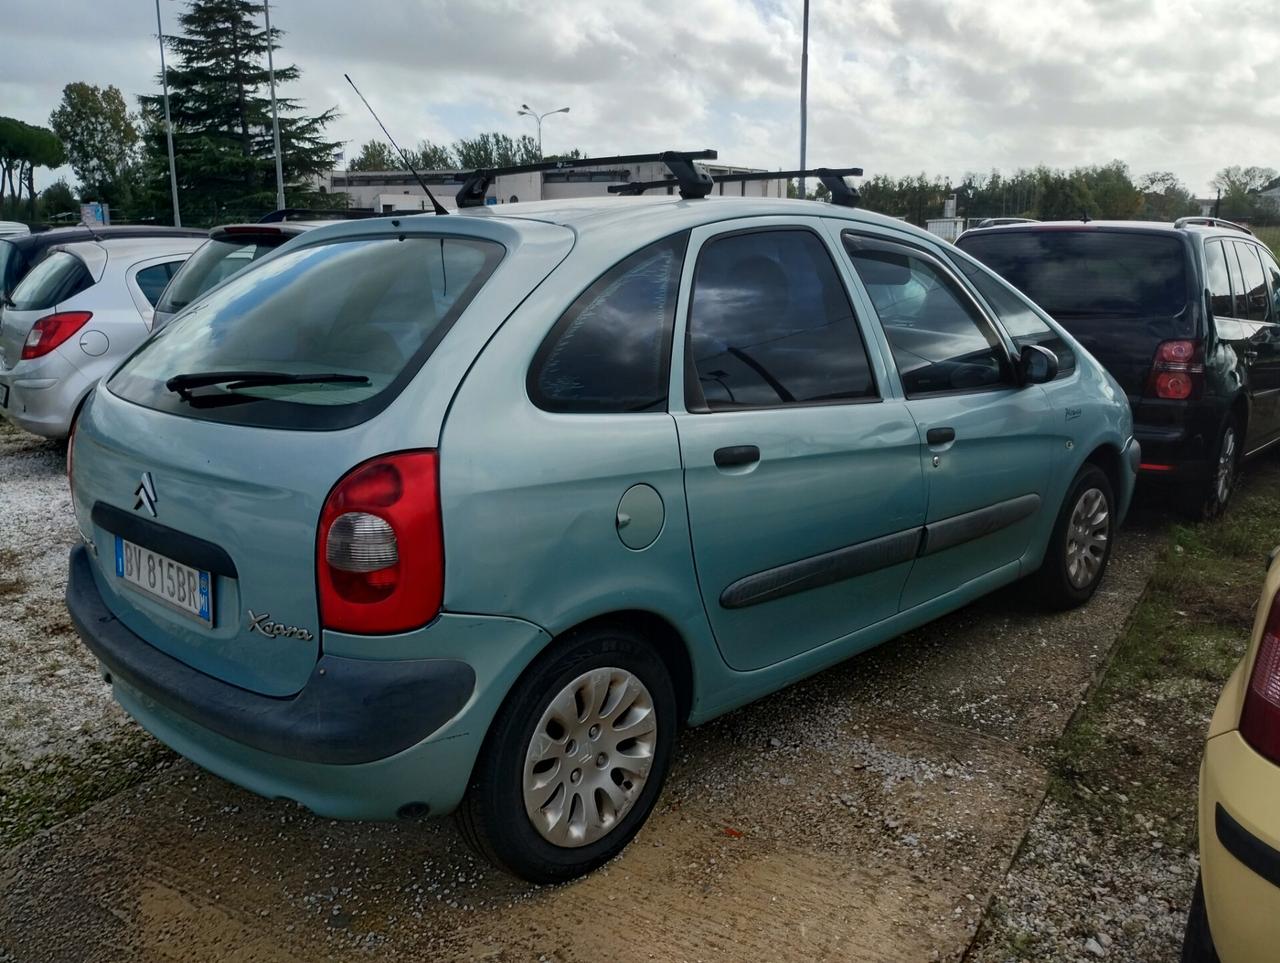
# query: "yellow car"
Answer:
x=1235 y=915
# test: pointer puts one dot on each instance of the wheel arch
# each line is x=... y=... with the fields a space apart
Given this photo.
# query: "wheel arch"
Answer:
x=1107 y=457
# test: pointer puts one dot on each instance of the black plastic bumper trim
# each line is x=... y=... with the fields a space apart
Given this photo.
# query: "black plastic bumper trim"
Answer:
x=1246 y=847
x=169 y=542
x=350 y=711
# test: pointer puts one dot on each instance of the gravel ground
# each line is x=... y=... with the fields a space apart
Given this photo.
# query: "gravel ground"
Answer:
x=869 y=813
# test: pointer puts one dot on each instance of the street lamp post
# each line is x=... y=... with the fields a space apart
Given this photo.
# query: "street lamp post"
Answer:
x=168 y=125
x=527 y=111
x=275 y=117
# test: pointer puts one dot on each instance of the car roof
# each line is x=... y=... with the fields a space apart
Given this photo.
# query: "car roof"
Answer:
x=126 y=247
x=63 y=235
x=1144 y=227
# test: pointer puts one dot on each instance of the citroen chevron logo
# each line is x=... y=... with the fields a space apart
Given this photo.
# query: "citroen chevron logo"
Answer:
x=146 y=494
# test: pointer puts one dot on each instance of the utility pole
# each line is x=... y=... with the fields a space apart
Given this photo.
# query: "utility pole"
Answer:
x=168 y=124
x=804 y=94
x=275 y=117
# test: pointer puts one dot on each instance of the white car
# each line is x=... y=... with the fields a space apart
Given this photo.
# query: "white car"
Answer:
x=75 y=315
x=13 y=229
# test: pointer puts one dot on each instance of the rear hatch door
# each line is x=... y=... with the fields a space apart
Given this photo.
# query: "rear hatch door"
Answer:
x=230 y=481
x=59 y=276
x=1120 y=292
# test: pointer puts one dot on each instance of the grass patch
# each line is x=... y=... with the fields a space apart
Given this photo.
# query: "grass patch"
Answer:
x=1131 y=758
x=57 y=788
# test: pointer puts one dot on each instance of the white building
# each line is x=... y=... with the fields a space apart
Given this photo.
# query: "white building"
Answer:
x=388 y=191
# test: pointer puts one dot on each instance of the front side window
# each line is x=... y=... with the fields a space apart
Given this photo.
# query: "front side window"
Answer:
x=940 y=340
x=1019 y=319
x=1273 y=279
x=55 y=279
x=770 y=324
x=331 y=331
x=1218 y=279
x=1255 y=282
x=611 y=351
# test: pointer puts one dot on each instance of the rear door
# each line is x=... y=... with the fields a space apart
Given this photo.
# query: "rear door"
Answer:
x=987 y=444
x=1261 y=350
x=802 y=473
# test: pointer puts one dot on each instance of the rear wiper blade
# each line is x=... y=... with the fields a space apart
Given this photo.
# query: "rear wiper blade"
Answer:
x=235 y=380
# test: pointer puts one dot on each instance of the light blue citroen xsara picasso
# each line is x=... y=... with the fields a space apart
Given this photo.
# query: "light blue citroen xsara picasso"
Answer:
x=475 y=512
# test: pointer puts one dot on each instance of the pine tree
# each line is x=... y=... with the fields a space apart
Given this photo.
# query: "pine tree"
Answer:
x=220 y=105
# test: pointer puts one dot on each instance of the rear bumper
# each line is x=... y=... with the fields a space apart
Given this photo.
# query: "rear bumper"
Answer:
x=1178 y=438
x=1240 y=848
x=43 y=395
x=363 y=739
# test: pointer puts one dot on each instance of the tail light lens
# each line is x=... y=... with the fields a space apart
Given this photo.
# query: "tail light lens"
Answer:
x=1178 y=371
x=380 y=547
x=1260 y=720
x=51 y=330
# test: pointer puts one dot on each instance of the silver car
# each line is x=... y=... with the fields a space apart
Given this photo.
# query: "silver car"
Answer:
x=78 y=312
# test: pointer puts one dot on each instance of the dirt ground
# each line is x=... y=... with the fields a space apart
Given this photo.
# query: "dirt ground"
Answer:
x=870 y=813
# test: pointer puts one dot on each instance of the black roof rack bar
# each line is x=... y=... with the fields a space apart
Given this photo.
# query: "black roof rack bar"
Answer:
x=1211 y=222
x=834 y=179
x=692 y=180
x=305 y=214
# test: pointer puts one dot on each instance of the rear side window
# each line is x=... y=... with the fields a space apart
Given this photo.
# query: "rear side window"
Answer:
x=1019 y=319
x=1273 y=278
x=940 y=341
x=12 y=261
x=212 y=264
x=55 y=279
x=611 y=351
x=1239 y=307
x=360 y=314
x=152 y=280
x=770 y=324
x=1092 y=273
x=1218 y=278
x=1255 y=282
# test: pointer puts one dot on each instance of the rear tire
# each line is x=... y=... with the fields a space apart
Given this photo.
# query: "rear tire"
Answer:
x=1197 y=943
x=1209 y=498
x=1080 y=547
x=575 y=759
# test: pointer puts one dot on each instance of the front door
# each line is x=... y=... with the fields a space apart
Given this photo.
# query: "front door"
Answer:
x=986 y=443
x=1262 y=348
x=802 y=476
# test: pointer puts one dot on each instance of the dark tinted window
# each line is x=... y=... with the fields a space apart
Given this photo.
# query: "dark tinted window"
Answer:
x=1255 y=282
x=1018 y=318
x=213 y=263
x=1091 y=272
x=1239 y=306
x=58 y=277
x=940 y=341
x=770 y=324
x=1218 y=279
x=1273 y=278
x=12 y=264
x=152 y=280
x=611 y=351
x=371 y=308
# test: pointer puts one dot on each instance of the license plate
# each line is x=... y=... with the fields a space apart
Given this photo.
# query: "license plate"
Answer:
x=181 y=587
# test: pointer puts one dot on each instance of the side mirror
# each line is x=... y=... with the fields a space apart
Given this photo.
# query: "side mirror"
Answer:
x=1036 y=365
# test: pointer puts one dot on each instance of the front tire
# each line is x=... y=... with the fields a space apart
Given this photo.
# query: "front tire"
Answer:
x=1080 y=547
x=575 y=759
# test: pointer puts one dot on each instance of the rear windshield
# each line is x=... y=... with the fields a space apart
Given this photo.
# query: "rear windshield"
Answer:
x=12 y=261
x=212 y=264
x=55 y=279
x=362 y=313
x=1076 y=274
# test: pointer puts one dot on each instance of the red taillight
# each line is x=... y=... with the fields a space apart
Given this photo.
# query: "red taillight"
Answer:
x=380 y=547
x=1178 y=371
x=1260 y=720
x=51 y=330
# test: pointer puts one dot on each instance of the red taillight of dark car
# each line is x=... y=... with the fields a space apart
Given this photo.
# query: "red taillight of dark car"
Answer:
x=380 y=547
x=1177 y=373
x=51 y=331
x=1260 y=719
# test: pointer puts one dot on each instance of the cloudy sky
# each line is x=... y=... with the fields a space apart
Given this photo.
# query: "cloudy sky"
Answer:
x=896 y=86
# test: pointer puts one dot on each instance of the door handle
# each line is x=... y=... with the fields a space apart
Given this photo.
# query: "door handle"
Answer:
x=736 y=455
x=940 y=436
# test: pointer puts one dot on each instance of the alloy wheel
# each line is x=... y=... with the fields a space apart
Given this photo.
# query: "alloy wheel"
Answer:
x=589 y=756
x=1226 y=472
x=1087 y=537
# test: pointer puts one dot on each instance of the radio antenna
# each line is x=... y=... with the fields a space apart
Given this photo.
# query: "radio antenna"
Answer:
x=438 y=207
